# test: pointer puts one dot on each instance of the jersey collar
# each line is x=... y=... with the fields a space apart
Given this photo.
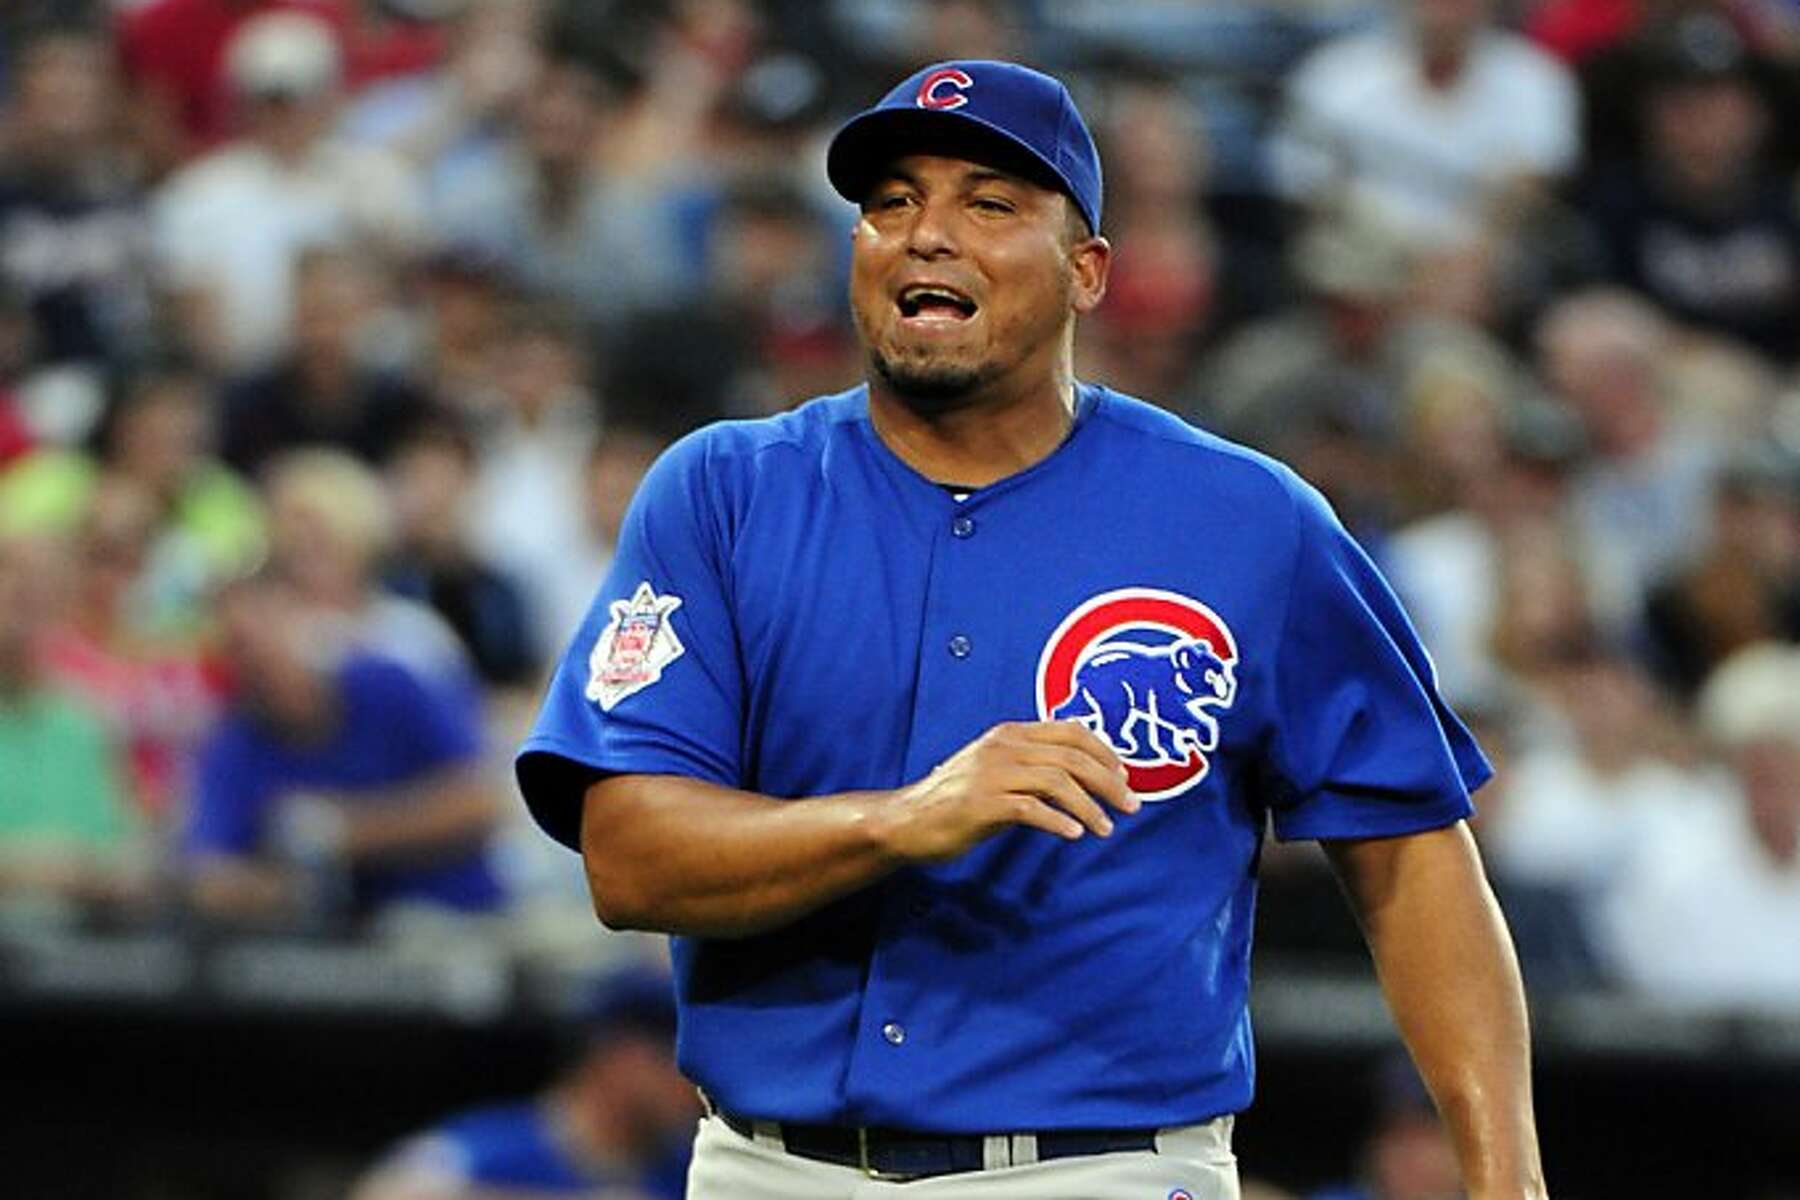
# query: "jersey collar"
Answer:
x=1088 y=398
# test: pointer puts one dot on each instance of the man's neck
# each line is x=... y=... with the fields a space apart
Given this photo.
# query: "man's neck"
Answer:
x=981 y=442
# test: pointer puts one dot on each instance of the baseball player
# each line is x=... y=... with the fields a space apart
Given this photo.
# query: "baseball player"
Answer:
x=940 y=721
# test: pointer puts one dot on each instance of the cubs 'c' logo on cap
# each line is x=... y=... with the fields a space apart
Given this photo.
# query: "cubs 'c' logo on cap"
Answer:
x=1141 y=668
x=932 y=93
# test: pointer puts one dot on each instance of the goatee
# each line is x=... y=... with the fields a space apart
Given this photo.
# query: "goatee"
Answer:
x=929 y=389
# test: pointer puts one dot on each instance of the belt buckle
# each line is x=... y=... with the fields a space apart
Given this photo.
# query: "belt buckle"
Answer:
x=869 y=1169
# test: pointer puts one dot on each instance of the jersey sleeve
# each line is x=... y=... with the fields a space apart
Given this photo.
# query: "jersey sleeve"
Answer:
x=651 y=683
x=1364 y=745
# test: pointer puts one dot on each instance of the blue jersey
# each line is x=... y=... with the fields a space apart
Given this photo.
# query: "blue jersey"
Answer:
x=391 y=731
x=795 y=611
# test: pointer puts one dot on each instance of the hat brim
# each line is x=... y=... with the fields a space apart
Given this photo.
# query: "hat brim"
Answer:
x=868 y=145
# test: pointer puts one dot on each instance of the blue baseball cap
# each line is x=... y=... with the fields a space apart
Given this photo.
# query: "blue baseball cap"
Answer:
x=998 y=112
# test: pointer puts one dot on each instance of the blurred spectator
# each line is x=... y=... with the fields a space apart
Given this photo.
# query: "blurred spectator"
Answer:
x=680 y=62
x=385 y=39
x=1602 y=756
x=66 y=827
x=74 y=239
x=1455 y=413
x=230 y=227
x=463 y=298
x=767 y=333
x=1545 y=623
x=769 y=124
x=1161 y=294
x=154 y=434
x=614 y=469
x=330 y=526
x=1429 y=124
x=1340 y=351
x=546 y=209
x=1745 y=587
x=339 y=784
x=533 y=440
x=1616 y=75
x=174 y=57
x=1447 y=565
x=1576 y=30
x=429 y=478
x=158 y=434
x=453 y=121
x=15 y=435
x=774 y=112
x=1702 y=224
x=157 y=692
x=17 y=338
x=617 y=1121
x=1710 y=912
x=1639 y=503
x=1321 y=383
x=1407 y=1155
x=1548 y=920
x=968 y=29
x=323 y=391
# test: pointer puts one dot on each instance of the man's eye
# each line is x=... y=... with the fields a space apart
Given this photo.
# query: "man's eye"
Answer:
x=990 y=204
x=895 y=200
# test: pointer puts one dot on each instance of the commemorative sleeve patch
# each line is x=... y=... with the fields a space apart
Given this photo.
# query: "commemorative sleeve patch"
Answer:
x=631 y=652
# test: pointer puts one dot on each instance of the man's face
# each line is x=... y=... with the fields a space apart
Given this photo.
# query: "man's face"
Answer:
x=964 y=276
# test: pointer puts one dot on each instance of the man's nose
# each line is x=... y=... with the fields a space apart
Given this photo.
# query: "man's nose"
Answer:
x=933 y=232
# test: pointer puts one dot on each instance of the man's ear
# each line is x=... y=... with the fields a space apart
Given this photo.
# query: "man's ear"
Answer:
x=1090 y=261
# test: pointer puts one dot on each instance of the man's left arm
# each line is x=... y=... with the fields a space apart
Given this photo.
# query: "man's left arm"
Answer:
x=1447 y=968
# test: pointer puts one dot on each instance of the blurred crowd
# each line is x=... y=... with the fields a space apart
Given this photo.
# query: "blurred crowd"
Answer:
x=335 y=335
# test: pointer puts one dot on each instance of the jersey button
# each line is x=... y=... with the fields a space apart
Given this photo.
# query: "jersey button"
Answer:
x=963 y=527
x=894 y=1032
x=960 y=646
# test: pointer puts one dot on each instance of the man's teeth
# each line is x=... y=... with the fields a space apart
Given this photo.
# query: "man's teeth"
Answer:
x=915 y=299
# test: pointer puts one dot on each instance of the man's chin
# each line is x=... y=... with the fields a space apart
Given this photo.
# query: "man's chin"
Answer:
x=929 y=388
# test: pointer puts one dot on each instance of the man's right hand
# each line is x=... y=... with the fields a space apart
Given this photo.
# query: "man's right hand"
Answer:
x=1056 y=776
x=680 y=855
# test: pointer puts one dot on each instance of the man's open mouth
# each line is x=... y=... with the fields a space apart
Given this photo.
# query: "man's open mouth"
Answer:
x=935 y=302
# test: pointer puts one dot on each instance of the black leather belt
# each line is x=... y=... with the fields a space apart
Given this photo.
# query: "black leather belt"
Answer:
x=903 y=1154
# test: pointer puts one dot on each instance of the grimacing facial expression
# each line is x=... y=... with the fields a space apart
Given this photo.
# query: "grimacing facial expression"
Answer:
x=963 y=276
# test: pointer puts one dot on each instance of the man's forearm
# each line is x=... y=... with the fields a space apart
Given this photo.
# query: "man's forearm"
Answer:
x=1447 y=967
x=681 y=856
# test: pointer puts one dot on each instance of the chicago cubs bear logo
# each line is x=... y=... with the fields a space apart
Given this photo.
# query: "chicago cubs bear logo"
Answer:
x=1146 y=670
x=933 y=95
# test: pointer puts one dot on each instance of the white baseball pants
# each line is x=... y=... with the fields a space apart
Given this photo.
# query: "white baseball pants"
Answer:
x=1193 y=1162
